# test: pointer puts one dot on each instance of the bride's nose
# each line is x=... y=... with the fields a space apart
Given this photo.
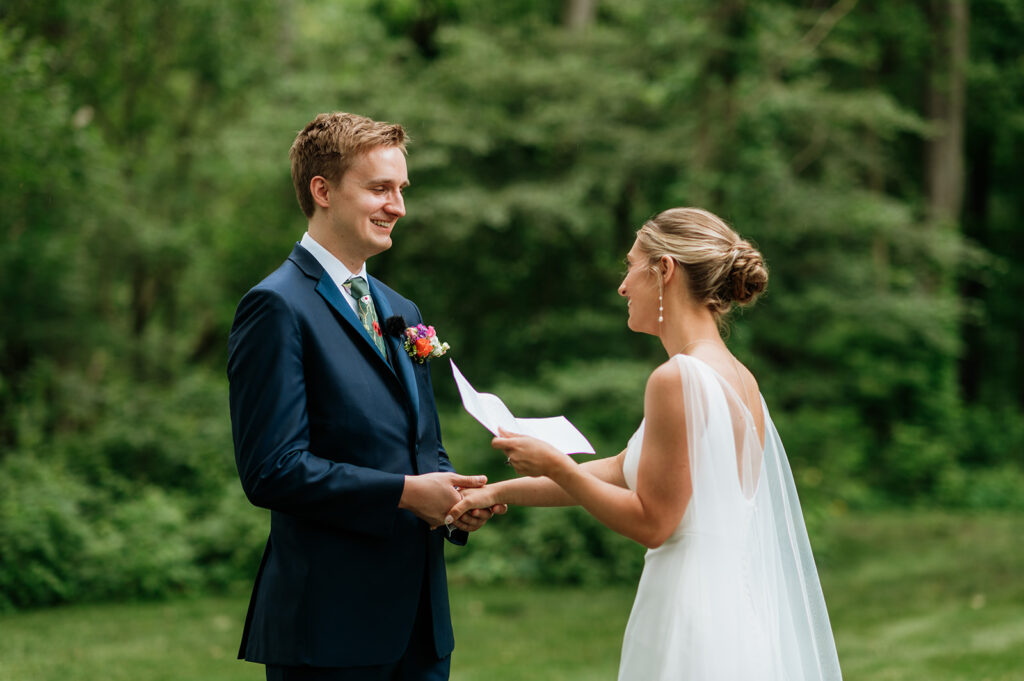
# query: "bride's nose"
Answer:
x=622 y=288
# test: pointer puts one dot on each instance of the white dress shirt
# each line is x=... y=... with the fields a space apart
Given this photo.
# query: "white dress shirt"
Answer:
x=338 y=272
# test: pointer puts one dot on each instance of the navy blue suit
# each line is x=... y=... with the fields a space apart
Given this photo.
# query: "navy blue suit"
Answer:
x=325 y=431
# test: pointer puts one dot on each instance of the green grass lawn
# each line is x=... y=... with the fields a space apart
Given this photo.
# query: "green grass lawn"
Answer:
x=929 y=597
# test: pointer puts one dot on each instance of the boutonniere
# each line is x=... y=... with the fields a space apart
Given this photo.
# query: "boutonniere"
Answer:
x=420 y=341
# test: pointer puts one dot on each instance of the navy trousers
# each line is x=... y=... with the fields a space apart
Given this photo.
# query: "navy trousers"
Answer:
x=418 y=663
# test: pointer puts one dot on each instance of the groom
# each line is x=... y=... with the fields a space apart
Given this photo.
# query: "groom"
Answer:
x=336 y=432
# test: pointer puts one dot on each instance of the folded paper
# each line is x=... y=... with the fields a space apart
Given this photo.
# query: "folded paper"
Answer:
x=490 y=411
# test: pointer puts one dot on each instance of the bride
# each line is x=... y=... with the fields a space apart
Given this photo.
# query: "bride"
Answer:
x=729 y=590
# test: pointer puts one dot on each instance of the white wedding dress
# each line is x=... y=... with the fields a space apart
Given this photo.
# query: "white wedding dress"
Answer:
x=733 y=595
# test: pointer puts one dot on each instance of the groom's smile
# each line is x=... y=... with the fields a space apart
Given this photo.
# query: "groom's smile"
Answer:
x=384 y=226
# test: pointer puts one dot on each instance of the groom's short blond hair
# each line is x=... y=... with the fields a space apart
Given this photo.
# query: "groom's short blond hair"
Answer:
x=329 y=144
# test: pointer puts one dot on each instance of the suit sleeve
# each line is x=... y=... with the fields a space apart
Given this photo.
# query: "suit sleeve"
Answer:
x=270 y=426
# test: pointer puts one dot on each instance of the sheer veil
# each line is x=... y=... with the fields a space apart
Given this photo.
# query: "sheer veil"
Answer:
x=734 y=593
x=804 y=638
x=764 y=532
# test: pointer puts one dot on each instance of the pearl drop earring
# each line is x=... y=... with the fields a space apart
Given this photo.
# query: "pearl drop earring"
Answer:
x=661 y=307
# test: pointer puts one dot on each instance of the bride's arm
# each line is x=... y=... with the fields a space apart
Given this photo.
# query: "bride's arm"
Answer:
x=538 y=491
x=545 y=492
x=651 y=513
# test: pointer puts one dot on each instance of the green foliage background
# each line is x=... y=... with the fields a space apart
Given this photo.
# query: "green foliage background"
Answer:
x=145 y=187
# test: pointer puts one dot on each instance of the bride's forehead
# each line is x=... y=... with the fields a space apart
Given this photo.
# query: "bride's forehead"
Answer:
x=634 y=252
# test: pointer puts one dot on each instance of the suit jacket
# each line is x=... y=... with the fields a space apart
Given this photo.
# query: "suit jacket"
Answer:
x=325 y=431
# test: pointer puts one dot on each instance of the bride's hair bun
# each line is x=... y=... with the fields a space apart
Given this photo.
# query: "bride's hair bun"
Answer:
x=748 y=275
x=722 y=268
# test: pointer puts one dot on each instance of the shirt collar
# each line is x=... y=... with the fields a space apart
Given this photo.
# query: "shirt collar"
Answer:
x=334 y=267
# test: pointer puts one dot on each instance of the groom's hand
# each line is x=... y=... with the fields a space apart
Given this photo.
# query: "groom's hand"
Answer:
x=431 y=495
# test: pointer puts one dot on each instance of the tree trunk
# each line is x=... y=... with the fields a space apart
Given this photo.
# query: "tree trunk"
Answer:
x=944 y=159
x=579 y=14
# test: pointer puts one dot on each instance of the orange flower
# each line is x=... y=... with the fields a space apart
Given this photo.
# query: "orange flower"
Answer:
x=423 y=347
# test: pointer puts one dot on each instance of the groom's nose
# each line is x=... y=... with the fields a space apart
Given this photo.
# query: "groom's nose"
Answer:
x=396 y=204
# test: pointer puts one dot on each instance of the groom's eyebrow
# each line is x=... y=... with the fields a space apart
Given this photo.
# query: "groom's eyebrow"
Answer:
x=386 y=180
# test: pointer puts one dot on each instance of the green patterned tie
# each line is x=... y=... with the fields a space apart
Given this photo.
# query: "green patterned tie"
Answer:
x=360 y=290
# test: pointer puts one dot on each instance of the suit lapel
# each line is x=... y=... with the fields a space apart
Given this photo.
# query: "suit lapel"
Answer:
x=401 y=366
x=330 y=293
x=399 y=357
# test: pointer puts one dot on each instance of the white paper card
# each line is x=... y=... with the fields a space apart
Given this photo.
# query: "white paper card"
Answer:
x=490 y=411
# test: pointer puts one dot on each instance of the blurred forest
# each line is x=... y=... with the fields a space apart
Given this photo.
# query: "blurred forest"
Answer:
x=871 y=149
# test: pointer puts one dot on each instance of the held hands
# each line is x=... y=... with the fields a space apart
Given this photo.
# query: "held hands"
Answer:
x=529 y=456
x=431 y=495
x=474 y=509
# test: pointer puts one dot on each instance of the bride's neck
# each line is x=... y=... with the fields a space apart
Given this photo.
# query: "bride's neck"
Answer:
x=685 y=330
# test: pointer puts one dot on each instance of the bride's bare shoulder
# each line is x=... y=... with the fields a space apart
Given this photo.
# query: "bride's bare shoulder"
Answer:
x=674 y=370
x=666 y=380
x=664 y=402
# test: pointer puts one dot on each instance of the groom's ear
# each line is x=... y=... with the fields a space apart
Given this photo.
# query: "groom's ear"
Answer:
x=318 y=189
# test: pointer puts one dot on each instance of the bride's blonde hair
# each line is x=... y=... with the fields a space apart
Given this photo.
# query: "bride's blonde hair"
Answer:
x=722 y=268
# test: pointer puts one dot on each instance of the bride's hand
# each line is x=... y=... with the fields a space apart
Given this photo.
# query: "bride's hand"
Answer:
x=530 y=456
x=476 y=503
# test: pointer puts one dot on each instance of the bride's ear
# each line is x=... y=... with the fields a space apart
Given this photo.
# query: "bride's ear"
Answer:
x=667 y=266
